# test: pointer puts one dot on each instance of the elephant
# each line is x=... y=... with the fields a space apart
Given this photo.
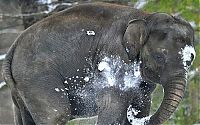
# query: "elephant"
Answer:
x=99 y=59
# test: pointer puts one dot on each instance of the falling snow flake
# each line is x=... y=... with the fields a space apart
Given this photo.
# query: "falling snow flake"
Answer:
x=57 y=89
x=86 y=79
x=55 y=110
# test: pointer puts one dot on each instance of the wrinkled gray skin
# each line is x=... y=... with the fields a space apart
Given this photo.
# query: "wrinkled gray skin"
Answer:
x=51 y=50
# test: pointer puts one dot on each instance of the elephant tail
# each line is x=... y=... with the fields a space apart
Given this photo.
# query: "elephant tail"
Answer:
x=7 y=66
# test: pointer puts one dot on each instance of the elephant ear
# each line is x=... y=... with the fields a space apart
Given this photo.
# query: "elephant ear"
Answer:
x=135 y=37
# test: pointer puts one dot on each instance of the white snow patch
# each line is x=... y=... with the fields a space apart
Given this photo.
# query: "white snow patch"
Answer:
x=2 y=84
x=103 y=65
x=66 y=82
x=57 y=89
x=127 y=50
x=2 y=57
x=112 y=68
x=131 y=113
x=132 y=78
x=140 y=4
x=186 y=53
x=86 y=79
x=90 y=33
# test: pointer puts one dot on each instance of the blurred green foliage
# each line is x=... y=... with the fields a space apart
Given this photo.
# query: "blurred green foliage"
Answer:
x=189 y=9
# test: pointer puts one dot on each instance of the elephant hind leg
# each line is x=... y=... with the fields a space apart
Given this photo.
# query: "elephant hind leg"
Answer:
x=45 y=97
x=17 y=116
x=21 y=115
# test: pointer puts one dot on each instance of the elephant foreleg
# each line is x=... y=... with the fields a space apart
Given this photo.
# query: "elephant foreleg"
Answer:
x=112 y=104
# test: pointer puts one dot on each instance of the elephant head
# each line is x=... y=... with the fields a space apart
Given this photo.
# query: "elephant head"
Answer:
x=164 y=45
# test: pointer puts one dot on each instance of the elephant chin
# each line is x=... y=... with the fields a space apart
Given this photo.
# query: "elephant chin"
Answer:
x=173 y=94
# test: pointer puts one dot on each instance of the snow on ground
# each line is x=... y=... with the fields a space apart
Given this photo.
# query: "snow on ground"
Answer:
x=131 y=113
x=140 y=4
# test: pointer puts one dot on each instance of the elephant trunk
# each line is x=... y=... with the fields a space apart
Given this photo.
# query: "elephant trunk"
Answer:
x=173 y=94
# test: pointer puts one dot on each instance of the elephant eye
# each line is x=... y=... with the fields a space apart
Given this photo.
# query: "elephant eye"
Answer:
x=162 y=35
x=159 y=34
x=180 y=40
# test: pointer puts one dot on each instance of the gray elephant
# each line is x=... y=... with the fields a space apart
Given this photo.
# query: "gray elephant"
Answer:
x=79 y=63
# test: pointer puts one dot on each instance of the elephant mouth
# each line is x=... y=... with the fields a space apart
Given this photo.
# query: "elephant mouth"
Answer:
x=150 y=76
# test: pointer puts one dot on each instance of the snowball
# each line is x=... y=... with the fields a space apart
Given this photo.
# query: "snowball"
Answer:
x=90 y=33
x=103 y=65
